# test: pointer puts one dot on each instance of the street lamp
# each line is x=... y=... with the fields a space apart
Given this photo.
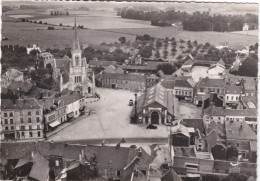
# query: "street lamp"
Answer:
x=135 y=108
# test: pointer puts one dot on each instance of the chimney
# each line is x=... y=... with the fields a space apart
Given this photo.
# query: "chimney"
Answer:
x=139 y=152
x=32 y=154
x=80 y=157
x=82 y=152
x=117 y=146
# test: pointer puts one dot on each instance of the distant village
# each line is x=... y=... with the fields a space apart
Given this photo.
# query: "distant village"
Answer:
x=222 y=140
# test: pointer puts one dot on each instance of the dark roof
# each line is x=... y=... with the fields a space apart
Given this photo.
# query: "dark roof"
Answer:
x=70 y=98
x=184 y=151
x=233 y=89
x=168 y=84
x=101 y=62
x=214 y=110
x=24 y=86
x=196 y=123
x=239 y=130
x=40 y=168
x=129 y=76
x=8 y=104
x=170 y=175
x=208 y=82
x=112 y=157
x=182 y=83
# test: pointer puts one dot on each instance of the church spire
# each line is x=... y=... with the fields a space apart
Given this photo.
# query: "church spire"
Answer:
x=76 y=45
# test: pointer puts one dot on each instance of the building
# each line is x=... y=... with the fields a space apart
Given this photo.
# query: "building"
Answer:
x=245 y=27
x=208 y=85
x=71 y=73
x=33 y=47
x=44 y=161
x=151 y=80
x=11 y=75
x=129 y=81
x=156 y=106
x=184 y=88
x=217 y=69
x=148 y=67
x=101 y=63
x=43 y=59
x=233 y=96
x=21 y=119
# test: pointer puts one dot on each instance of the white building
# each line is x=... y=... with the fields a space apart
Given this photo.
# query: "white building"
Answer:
x=33 y=47
x=245 y=27
x=217 y=69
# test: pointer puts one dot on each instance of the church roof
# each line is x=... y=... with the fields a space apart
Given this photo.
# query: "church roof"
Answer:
x=75 y=45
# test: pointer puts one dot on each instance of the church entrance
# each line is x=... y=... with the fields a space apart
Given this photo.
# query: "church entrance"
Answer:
x=155 y=118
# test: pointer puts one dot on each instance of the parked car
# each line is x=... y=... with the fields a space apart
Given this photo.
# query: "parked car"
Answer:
x=131 y=102
x=151 y=126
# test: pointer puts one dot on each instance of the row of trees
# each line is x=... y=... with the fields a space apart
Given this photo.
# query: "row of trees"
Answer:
x=198 y=21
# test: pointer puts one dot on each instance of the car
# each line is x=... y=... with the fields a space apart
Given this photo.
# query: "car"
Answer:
x=131 y=102
x=151 y=126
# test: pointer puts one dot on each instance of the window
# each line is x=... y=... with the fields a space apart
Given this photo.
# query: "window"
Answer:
x=21 y=119
x=37 y=113
x=30 y=120
x=227 y=118
x=6 y=121
x=76 y=60
x=11 y=121
x=237 y=144
x=232 y=98
x=75 y=79
x=12 y=128
x=11 y=114
x=237 y=98
x=30 y=134
x=6 y=128
x=29 y=113
x=38 y=127
x=38 y=133
x=218 y=118
x=23 y=134
x=37 y=119
x=227 y=97
x=76 y=113
x=57 y=163
x=5 y=114
x=22 y=127
x=30 y=127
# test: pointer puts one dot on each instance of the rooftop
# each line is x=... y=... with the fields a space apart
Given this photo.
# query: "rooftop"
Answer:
x=208 y=82
x=129 y=76
x=237 y=130
x=8 y=104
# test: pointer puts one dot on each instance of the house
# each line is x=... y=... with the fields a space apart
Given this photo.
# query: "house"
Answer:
x=11 y=75
x=217 y=69
x=170 y=175
x=149 y=67
x=127 y=81
x=155 y=106
x=43 y=59
x=183 y=88
x=151 y=80
x=21 y=119
x=114 y=69
x=233 y=95
x=101 y=63
x=198 y=125
x=245 y=27
x=239 y=135
x=207 y=85
x=214 y=113
x=180 y=136
x=33 y=47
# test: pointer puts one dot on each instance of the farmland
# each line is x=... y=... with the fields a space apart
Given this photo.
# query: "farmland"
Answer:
x=102 y=27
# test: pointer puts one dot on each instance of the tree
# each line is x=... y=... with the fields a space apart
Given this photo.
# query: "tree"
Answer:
x=167 y=68
x=249 y=67
x=122 y=40
x=33 y=53
x=157 y=54
x=158 y=43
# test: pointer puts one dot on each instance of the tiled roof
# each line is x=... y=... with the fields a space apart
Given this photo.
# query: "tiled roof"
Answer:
x=208 y=82
x=12 y=73
x=170 y=175
x=233 y=89
x=70 y=98
x=241 y=112
x=19 y=104
x=180 y=129
x=24 y=86
x=40 y=168
x=196 y=123
x=184 y=151
x=160 y=95
x=168 y=84
x=214 y=110
x=239 y=130
x=129 y=76
x=61 y=62
x=182 y=83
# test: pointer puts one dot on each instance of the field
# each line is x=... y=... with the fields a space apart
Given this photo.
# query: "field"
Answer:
x=102 y=26
x=250 y=32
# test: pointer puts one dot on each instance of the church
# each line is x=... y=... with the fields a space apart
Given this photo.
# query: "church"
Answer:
x=71 y=73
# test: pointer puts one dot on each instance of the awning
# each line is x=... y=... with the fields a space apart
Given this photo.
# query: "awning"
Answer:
x=54 y=124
